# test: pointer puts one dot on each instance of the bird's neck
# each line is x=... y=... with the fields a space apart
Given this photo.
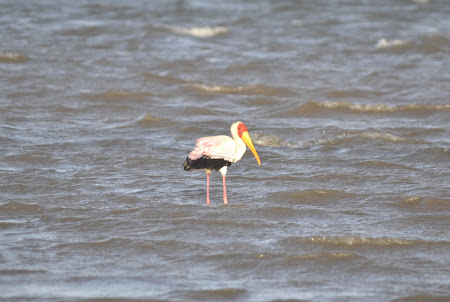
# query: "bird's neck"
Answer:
x=240 y=147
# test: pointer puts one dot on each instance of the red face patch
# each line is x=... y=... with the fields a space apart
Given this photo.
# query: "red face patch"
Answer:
x=241 y=129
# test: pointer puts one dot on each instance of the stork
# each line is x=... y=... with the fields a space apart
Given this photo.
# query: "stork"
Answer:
x=218 y=153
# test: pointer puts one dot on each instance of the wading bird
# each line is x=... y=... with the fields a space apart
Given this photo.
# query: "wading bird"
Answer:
x=218 y=153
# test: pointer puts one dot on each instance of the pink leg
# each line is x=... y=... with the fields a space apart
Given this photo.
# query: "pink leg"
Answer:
x=225 y=199
x=207 y=187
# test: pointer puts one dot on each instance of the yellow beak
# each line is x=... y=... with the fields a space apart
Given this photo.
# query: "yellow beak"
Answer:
x=248 y=141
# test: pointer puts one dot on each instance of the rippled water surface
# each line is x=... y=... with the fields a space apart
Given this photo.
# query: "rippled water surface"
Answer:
x=347 y=103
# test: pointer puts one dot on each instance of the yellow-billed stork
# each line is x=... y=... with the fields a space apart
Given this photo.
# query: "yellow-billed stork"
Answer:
x=218 y=153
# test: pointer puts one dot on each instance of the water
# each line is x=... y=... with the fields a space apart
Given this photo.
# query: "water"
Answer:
x=348 y=106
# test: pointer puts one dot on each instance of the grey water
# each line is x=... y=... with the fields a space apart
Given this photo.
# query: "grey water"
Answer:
x=347 y=103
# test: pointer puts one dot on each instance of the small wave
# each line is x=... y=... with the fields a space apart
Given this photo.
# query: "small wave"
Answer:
x=211 y=294
x=233 y=223
x=384 y=136
x=350 y=93
x=360 y=136
x=350 y=241
x=84 y=29
x=11 y=222
x=425 y=203
x=199 y=32
x=198 y=111
x=329 y=256
x=165 y=79
x=428 y=43
x=357 y=107
x=317 y=196
x=434 y=43
x=147 y=118
x=114 y=95
x=380 y=164
x=243 y=90
x=144 y=120
x=438 y=152
x=316 y=107
x=323 y=257
x=361 y=241
x=384 y=44
x=270 y=140
x=19 y=206
x=12 y=57
x=21 y=271
x=421 y=298
x=279 y=212
x=388 y=137
x=98 y=244
x=164 y=245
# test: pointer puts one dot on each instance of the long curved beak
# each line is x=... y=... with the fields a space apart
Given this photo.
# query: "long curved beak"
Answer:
x=248 y=141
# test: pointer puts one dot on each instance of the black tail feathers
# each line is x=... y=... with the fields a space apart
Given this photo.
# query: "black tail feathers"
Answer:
x=205 y=163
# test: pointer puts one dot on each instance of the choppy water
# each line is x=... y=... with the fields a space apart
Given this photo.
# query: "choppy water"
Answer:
x=347 y=103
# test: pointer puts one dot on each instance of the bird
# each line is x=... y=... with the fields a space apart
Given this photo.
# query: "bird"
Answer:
x=218 y=153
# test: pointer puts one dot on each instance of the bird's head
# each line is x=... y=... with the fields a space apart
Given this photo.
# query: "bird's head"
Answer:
x=242 y=132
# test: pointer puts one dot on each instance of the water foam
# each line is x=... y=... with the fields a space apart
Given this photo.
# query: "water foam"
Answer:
x=427 y=43
x=373 y=136
x=199 y=32
x=356 y=241
x=349 y=137
x=426 y=203
x=345 y=106
x=270 y=140
x=12 y=57
x=358 y=107
x=383 y=43
x=383 y=136
x=147 y=118
x=326 y=256
x=244 y=90
x=220 y=89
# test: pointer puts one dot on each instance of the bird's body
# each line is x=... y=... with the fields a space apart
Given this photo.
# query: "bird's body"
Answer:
x=219 y=152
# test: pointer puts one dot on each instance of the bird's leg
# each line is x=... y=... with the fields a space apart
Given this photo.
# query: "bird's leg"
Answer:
x=208 y=201
x=225 y=199
x=223 y=171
